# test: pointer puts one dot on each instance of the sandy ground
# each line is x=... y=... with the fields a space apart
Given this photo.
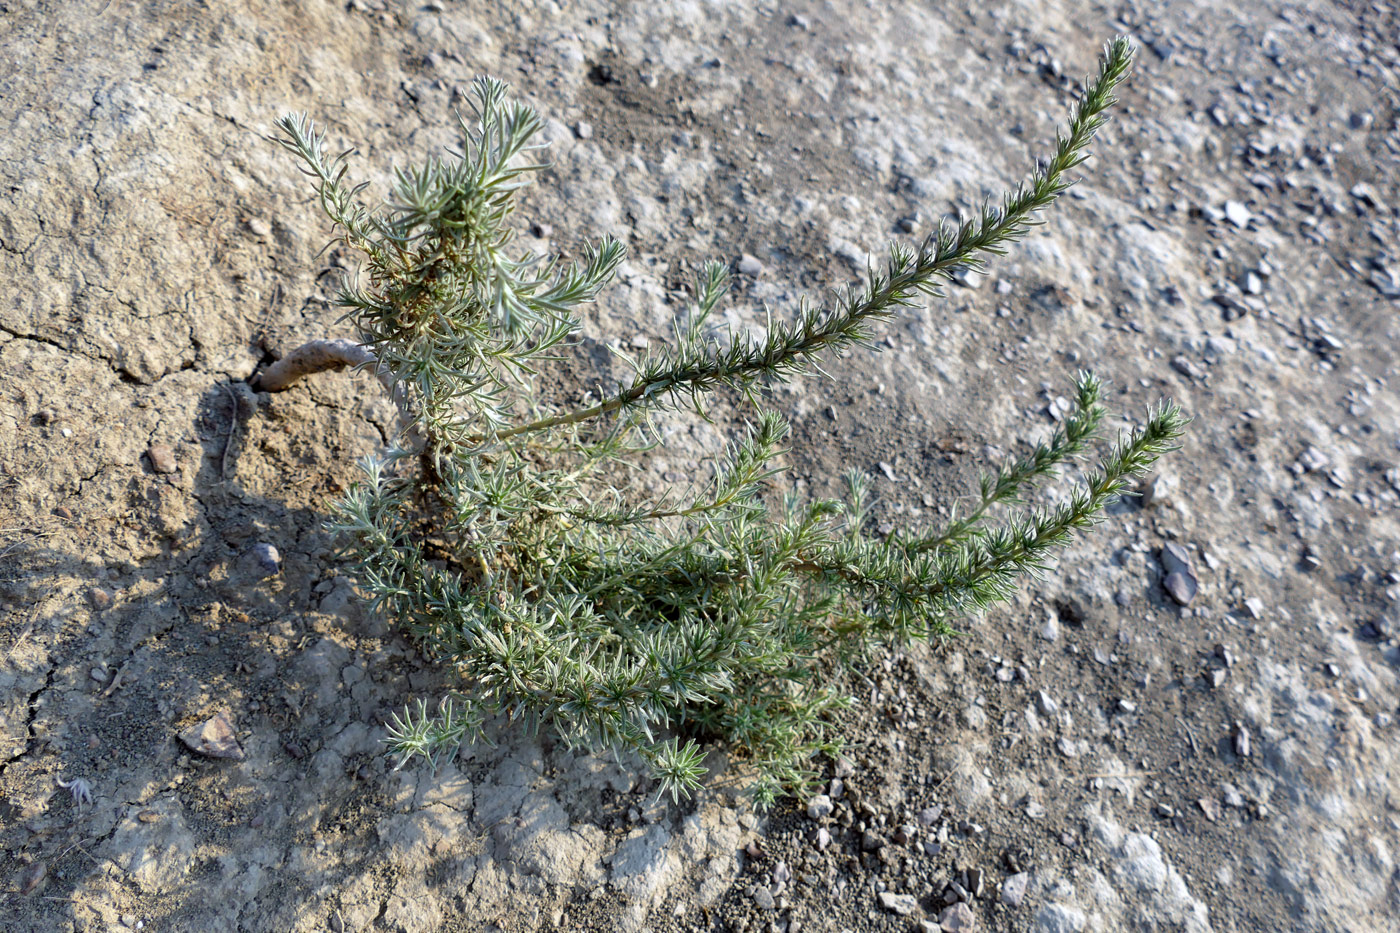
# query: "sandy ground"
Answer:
x=1093 y=756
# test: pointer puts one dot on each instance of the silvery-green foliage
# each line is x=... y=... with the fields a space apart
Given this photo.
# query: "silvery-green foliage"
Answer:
x=500 y=530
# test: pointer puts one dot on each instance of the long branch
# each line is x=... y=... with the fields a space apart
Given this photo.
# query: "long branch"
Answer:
x=940 y=254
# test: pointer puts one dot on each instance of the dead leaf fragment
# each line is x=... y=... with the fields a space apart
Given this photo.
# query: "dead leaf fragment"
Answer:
x=32 y=877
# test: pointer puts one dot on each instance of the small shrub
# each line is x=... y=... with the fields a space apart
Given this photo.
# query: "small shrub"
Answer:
x=499 y=532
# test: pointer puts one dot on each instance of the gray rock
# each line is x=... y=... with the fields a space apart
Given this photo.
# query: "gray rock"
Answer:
x=1058 y=918
x=902 y=904
x=1013 y=889
x=958 y=919
x=1175 y=558
x=1237 y=214
x=820 y=807
x=269 y=559
x=750 y=266
x=583 y=129
x=1240 y=739
x=763 y=898
x=1181 y=587
x=213 y=738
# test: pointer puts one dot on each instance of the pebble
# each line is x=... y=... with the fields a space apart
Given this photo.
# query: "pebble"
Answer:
x=1241 y=739
x=162 y=458
x=1051 y=629
x=213 y=738
x=976 y=882
x=1180 y=587
x=957 y=919
x=1013 y=889
x=99 y=598
x=1255 y=607
x=1237 y=214
x=583 y=130
x=823 y=838
x=873 y=841
x=268 y=558
x=1232 y=796
x=1312 y=459
x=259 y=227
x=1175 y=558
x=966 y=277
x=902 y=904
x=764 y=898
x=750 y=266
x=1046 y=703
x=929 y=815
x=1210 y=808
x=1156 y=490
x=820 y=807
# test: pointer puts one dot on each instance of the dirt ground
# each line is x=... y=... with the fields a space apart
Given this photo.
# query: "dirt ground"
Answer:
x=1093 y=756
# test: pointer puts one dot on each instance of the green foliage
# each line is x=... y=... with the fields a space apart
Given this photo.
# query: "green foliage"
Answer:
x=499 y=531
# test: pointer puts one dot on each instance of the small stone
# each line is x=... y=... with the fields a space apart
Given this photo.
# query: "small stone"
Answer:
x=1180 y=587
x=1156 y=490
x=929 y=815
x=976 y=882
x=750 y=266
x=162 y=458
x=966 y=277
x=213 y=738
x=1255 y=607
x=583 y=130
x=1232 y=796
x=100 y=598
x=1210 y=808
x=902 y=904
x=1051 y=629
x=1184 y=366
x=1237 y=214
x=1175 y=558
x=958 y=919
x=1013 y=889
x=259 y=227
x=1215 y=676
x=1046 y=703
x=823 y=838
x=129 y=921
x=541 y=231
x=764 y=898
x=844 y=767
x=1241 y=739
x=820 y=807
x=268 y=558
x=872 y=841
x=1313 y=460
